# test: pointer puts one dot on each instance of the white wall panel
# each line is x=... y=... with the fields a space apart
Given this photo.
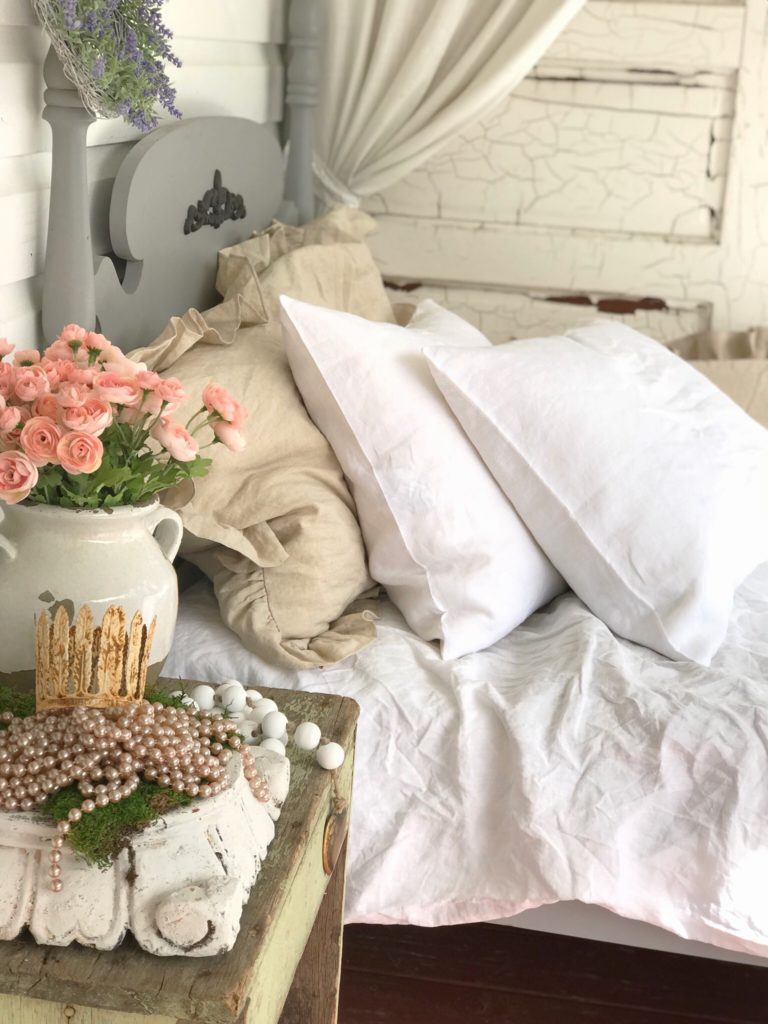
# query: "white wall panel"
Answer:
x=632 y=163
x=232 y=64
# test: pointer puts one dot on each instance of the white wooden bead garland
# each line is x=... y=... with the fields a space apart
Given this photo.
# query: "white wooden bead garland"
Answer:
x=261 y=723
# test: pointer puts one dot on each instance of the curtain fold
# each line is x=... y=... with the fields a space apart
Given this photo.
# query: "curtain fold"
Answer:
x=402 y=77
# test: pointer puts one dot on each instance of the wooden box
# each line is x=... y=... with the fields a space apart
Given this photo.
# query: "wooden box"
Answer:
x=285 y=964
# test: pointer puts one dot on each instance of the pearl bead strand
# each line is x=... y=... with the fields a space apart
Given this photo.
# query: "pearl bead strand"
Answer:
x=106 y=752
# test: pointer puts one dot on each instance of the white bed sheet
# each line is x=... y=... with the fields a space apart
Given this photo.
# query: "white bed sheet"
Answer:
x=560 y=764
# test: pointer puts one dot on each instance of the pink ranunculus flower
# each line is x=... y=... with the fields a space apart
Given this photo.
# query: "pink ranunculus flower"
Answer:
x=18 y=476
x=83 y=375
x=229 y=435
x=52 y=369
x=46 y=405
x=176 y=439
x=132 y=414
x=71 y=394
x=171 y=391
x=10 y=418
x=5 y=347
x=114 y=360
x=116 y=388
x=26 y=357
x=218 y=400
x=72 y=332
x=39 y=439
x=30 y=383
x=79 y=452
x=59 y=351
x=96 y=342
x=92 y=417
x=148 y=379
x=7 y=379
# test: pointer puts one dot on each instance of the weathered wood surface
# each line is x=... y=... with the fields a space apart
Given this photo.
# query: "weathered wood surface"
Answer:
x=314 y=995
x=246 y=986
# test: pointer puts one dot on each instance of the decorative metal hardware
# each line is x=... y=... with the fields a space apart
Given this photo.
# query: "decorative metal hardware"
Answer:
x=217 y=205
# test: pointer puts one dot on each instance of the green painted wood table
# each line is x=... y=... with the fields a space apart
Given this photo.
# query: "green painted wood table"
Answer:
x=285 y=964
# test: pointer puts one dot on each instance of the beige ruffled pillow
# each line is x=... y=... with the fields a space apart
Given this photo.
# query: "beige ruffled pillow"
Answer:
x=743 y=380
x=274 y=526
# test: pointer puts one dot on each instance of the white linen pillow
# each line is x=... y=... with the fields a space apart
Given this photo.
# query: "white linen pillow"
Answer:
x=645 y=485
x=441 y=536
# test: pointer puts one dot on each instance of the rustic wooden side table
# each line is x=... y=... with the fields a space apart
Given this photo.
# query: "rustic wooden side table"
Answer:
x=286 y=962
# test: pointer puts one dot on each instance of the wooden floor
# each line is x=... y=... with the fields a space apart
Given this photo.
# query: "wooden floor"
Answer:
x=487 y=974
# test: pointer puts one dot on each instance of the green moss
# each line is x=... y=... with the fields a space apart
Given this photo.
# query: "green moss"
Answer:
x=100 y=836
x=20 y=704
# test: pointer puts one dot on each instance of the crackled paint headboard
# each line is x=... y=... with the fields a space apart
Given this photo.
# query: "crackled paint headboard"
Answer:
x=181 y=194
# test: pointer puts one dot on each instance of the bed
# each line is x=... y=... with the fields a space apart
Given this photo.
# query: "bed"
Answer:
x=563 y=779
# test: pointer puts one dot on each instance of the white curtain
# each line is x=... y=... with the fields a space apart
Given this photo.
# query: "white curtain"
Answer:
x=402 y=77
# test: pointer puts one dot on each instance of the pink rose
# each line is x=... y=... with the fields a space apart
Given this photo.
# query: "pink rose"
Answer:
x=39 y=439
x=10 y=418
x=79 y=452
x=71 y=394
x=17 y=477
x=229 y=435
x=31 y=382
x=5 y=347
x=25 y=356
x=176 y=439
x=120 y=390
x=46 y=405
x=92 y=417
x=7 y=379
x=218 y=400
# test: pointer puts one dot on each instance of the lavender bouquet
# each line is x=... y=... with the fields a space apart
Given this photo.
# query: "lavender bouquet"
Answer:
x=115 y=52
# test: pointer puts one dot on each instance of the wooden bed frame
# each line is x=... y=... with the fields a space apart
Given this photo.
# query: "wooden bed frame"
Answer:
x=166 y=229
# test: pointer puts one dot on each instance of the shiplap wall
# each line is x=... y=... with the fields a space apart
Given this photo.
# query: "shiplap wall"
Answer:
x=627 y=172
x=231 y=65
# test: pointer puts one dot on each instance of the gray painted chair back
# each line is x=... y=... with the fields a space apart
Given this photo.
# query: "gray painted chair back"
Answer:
x=165 y=270
x=181 y=194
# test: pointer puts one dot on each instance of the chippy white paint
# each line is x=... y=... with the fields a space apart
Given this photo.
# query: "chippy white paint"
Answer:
x=179 y=887
x=632 y=162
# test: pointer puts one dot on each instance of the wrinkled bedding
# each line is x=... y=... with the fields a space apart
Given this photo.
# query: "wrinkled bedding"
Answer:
x=560 y=764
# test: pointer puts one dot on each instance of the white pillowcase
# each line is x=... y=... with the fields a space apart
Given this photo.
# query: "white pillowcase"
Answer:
x=441 y=536
x=645 y=485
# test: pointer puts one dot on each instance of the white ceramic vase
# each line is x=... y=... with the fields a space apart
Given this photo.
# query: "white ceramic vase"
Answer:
x=52 y=556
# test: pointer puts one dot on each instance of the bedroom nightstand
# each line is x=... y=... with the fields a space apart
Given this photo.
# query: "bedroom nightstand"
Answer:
x=288 y=954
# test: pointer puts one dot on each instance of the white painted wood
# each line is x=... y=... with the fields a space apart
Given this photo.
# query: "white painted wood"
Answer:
x=598 y=153
x=232 y=65
x=201 y=858
x=654 y=35
x=631 y=163
x=503 y=314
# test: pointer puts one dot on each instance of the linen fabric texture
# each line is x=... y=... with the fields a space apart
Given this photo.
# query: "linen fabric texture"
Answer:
x=645 y=485
x=274 y=526
x=441 y=536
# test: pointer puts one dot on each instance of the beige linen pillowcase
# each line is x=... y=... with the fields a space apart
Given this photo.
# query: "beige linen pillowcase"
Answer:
x=274 y=526
x=743 y=380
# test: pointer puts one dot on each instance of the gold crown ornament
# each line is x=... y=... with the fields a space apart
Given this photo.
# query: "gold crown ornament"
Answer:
x=80 y=664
